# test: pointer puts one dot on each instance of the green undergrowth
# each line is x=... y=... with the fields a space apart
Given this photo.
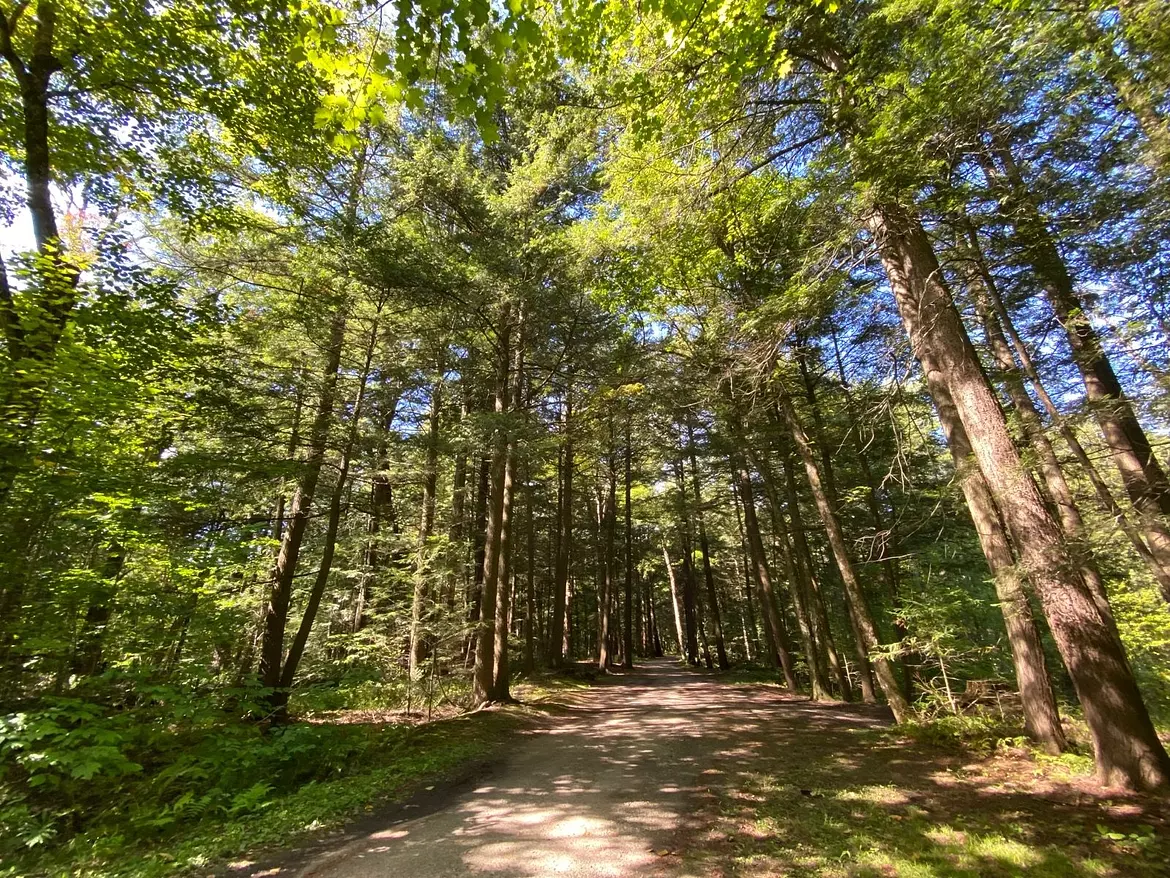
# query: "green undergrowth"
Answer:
x=244 y=791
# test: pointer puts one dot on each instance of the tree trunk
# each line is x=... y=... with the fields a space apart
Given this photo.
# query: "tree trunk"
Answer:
x=500 y=672
x=31 y=339
x=457 y=552
x=628 y=614
x=705 y=548
x=1041 y=718
x=87 y=657
x=863 y=624
x=308 y=617
x=1144 y=479
x=1127 y=748
x=674 y=603
x=819 y=615
x=759 y=562
x=556 y=648
x=474 y=598
x=607 y=520
x=885 y=537
x=419 y=638
x=797 y=587
x=1051 y=474
x=530 y=614
x=284 y=570
x=485 y=660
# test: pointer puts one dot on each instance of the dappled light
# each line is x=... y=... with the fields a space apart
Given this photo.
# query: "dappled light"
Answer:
x=670 y=772
x=612 y=437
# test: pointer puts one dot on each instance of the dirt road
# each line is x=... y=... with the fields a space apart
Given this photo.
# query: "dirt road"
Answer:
x=610 y=787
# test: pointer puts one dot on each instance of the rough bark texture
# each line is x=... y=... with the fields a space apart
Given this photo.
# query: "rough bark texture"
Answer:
x=1055 y=486
x=484 y=674
x=859 y=612
x=1041 y=718
x=1144 y=479
x=500 y=672
x=556 y=648
x=819 y=615
x=1160 y=567
x=283 y=571
x=759 y=562
x=705 y=548
x=419 y=609
x=628 y=614
x=1128 y=752
x=797 y=587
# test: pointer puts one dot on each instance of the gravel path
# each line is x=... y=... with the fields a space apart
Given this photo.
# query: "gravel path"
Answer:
x=610 y=787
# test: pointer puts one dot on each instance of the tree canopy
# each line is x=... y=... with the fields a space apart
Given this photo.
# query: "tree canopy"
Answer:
x=386 y=353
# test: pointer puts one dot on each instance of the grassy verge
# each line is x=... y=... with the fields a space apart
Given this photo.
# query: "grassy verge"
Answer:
x=926 y=802
x=391 y=763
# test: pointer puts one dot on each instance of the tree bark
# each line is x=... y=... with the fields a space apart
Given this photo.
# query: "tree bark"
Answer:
x=884 y=536
x=607 y=520
x=500 y=672
x=1052 y=475
x=1144 y=479
x=556 y=648
x=1127 y=748
x=797 y=587
x=674 y=603
x=863 y=624
x=308 y=617
x=759 y=560
x=484 y=674
x=419 y=610
x=705 y=548
x=819 y=616
x=628 y=627
x=1038 y=701
x=284 y=570
x=31 y=342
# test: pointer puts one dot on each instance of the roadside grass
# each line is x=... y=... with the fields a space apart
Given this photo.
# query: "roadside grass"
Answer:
x=325 y=772
x=925 y=803
x=394 y=762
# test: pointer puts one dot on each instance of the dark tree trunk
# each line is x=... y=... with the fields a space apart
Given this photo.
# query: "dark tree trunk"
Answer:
x=1127 y=748
x=797 y=587
x=31 y=339
x=456 y=532
x=308 y=617
x=705 y=548
x=87 y=657
x=284 y=570
x=419 y=637
x=607 y=520
x=530 y=611
x=484 y=676
x=628 y=614
x=556 y=647
x=759 y=561
x=863 y=624
x=819 y=614
x=501 y=673
x=482 y=498
x=885 y=537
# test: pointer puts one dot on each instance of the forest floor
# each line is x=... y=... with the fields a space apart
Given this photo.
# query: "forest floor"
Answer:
x=670 y=772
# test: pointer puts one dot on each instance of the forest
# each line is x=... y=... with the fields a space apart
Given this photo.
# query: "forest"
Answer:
x=384 y=357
